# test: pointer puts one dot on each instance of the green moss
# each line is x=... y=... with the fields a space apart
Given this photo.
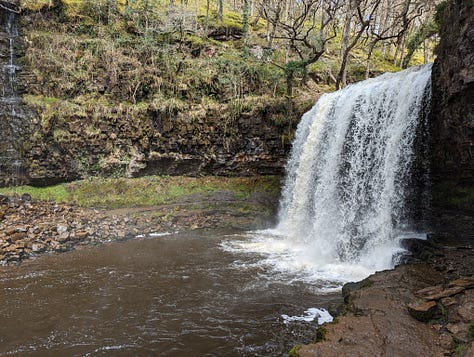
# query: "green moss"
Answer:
x=320 y=334
x=458 y=347
x=35 y=5
x=294 y=351
x=470 y=330
x=148 y=191
x=58 y=193
x=439 y=13
x=232 y=19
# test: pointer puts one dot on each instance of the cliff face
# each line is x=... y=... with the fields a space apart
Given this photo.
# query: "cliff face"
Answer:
x=80 y=105
x=452 y=124
x=452 y=115
x=14 y=115
x=196 y=140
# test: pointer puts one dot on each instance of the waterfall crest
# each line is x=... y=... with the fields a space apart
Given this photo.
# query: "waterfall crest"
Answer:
x=348 y=172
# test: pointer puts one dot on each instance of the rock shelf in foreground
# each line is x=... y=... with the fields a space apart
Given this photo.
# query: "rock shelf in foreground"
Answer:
x=425 y=308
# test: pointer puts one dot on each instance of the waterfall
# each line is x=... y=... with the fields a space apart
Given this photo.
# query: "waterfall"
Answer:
x=12 y=116
x=349 y=170
x=353 y=166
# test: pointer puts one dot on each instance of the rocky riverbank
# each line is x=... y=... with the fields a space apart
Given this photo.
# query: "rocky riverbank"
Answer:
x=424 y=308
x=30 y=227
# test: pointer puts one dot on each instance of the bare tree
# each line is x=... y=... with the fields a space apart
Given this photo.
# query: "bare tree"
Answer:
x=305 y=32
x=364 y=14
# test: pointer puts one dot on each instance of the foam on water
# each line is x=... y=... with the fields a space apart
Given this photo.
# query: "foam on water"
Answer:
x=287 y=261
x=322 y=316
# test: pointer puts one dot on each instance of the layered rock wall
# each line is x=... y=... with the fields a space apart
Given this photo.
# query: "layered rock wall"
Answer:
x=198 y=140
x=452 y=114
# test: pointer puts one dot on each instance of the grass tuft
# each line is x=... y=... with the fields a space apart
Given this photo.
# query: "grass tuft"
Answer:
x=148 y=191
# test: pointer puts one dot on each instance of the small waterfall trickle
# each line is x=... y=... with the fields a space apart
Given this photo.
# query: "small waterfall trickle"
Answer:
x=12 y=116
x=352 y=168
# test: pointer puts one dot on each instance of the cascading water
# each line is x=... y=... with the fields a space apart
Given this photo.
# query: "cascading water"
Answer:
x=12 y=116
x=343 y=209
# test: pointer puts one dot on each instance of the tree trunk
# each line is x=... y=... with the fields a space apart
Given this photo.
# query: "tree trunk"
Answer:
x=220 y=9
x=369 y=57
x=245 y=25
x=289 y=83
x=426 y=58
x=206 y=22
x=274 y=25
x=346 y=35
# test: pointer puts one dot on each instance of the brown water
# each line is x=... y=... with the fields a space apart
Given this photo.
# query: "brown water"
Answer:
x=176 y=295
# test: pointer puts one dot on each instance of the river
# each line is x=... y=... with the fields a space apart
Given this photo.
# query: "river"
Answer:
x=171 y=295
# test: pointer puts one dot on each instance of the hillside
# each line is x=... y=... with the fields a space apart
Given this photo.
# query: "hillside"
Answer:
x=116 y=88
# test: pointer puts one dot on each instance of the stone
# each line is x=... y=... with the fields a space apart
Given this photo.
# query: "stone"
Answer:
x=465 y=282
x=424 y=311
x=54 y=244
x=469 y=351
x=12 y=248
x=465 y=310
x=445 y=293
x=38 y=247
x=455 y=328
x=80 y=235
x=63 y=237
x=26 y=197
x=449 y=301
x=17 y=236
x=430 y=290
x=61 y=228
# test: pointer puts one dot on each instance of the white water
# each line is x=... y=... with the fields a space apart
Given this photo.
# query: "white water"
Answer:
x=342 y=211
x=322 y=315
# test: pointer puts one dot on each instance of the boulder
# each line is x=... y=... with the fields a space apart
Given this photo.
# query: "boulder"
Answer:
x=424 y=311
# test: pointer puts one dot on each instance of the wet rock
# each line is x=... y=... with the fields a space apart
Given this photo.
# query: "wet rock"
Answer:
x=453 y=89
x=26 y=197
x=420 y=248
x=348 y=288
x=424 y=311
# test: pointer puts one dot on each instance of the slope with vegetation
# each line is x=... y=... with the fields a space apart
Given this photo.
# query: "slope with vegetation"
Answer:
x=134 y=87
